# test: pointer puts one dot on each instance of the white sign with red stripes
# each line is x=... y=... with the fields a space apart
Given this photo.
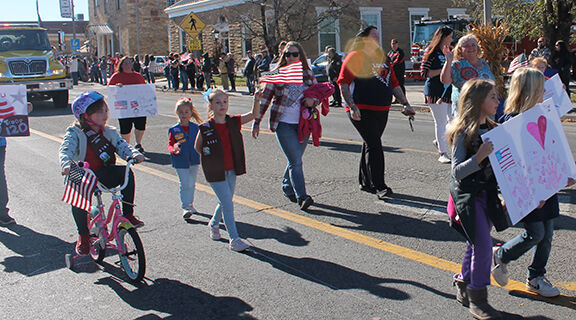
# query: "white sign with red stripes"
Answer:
x=13 y=111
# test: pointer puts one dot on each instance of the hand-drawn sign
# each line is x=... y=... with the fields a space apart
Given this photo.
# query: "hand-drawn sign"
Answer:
x=192 y=25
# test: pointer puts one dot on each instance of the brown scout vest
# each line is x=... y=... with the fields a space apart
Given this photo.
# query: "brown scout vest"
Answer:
x=213 y=152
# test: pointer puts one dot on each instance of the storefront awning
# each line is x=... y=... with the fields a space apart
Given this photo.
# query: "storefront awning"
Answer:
x=100 y=29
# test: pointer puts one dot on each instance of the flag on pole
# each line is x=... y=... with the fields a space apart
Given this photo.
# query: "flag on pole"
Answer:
x=520 y=61
x=80 y=186
x=288 y=74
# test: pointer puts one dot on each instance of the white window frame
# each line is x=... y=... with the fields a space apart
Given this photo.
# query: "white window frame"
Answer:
x=416 y=12
x=245 y=32
x=319 y=11
x=455 y=12
x=373 y=10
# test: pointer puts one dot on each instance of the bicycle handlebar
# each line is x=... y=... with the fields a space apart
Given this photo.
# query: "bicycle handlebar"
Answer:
x=129 y=162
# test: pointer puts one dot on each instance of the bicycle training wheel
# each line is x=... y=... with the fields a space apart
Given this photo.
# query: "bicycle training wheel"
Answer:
x=133 y=259
x=97 y=251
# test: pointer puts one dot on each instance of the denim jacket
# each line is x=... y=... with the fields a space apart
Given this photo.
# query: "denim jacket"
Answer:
x=74 y=145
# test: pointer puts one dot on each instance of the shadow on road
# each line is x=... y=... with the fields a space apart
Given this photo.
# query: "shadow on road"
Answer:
x=353 y=147
x=338 y=277
x=562 y=300
x=390 y=223
x=37 y=253
x=178 y=299
x=158 y=158
x=287 y=235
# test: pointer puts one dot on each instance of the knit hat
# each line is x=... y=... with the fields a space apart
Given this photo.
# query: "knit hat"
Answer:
x=83 y=101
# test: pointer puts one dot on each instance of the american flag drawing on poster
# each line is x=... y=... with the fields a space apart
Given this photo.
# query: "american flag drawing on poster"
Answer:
x=505 y=159
x=79 y=187
x=520 y=61
x=288 y=74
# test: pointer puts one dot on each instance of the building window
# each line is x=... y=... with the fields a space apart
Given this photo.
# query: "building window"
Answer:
x=95 y=2
x=117 y=5
x=328 y=31
x=105 y=6
x=370 y=16
x=246 y=40
x=456 y=12
x=416 y=14
x=170 y=2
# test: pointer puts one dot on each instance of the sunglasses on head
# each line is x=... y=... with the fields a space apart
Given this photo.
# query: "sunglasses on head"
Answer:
x=294 y=54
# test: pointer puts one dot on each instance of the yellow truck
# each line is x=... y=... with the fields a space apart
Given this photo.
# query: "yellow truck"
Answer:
x=26 y=58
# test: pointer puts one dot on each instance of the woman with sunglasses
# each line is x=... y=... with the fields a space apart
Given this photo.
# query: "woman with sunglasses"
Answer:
x=284 y=100
x=367 y=83
x=125 y=75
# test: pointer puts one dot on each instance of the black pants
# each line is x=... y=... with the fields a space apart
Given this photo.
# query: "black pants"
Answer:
x=110 y=176
x=401 y=77
x=336 y=96
x=232 y=78
x=191 y=79
x=371 y=127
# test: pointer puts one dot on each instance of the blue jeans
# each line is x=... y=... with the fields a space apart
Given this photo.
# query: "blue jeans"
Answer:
x=3 y=185
x=224 y=190
x=250 y=83
x=75 y=78
x=184 y=79
x=538 y=235
x=187 y=178
x=293 y=181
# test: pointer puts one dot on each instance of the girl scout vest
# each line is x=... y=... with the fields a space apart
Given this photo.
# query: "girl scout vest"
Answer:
x=213 y=151
x=187 y=156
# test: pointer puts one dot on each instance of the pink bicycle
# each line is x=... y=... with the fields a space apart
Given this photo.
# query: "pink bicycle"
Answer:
x=127 y=242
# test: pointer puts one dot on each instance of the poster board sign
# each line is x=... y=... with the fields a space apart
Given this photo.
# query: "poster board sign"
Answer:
x=554 y=89
x=130 y=101
x=13 y=111
x=531 y=159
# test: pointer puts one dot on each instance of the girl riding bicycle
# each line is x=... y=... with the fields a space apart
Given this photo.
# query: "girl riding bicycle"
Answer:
x=89 y=139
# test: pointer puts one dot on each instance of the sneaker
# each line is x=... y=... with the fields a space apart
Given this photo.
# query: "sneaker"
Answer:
x=215 y=233
x=543 y=287
x=499 y=270
x=307 y=202
x=187 y=213
x=382 y=194
x=83 y=245
x=139 y=148
x=444 y=159
x=6 y=220
x=238 y=245
x=134 y=221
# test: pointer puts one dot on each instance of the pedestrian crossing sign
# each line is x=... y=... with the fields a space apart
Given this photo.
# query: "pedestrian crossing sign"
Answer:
x=192 y=25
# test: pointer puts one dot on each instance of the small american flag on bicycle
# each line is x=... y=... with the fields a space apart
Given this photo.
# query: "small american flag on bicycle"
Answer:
x=80 y=186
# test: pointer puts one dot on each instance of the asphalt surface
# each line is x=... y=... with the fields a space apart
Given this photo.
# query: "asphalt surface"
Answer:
x=350 y=256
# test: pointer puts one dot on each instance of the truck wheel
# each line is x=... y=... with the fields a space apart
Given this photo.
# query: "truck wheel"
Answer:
x=60 y=98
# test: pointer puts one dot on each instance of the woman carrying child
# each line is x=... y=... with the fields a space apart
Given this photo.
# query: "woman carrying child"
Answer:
x=526 y=90
x=89 y=139
x=184 y=158
x=221 y=147
x=475 y=192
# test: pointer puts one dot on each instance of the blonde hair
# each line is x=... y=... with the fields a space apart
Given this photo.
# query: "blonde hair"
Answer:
x=211 y=96
x=187 y=102
x=538 y=60
x=472 y=97
x=460 y=43
x=526 y=90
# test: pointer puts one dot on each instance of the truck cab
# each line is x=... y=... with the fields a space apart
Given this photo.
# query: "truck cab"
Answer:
x=26 y=58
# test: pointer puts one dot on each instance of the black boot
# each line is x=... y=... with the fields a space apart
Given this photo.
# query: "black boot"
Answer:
x=461 y=294
x=479 y=307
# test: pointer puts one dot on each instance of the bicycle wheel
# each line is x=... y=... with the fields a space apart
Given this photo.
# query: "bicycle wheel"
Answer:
x=97 y=251
x=133 y=259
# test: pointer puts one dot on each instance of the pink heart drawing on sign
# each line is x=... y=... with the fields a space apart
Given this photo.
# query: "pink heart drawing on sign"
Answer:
x=538 y=131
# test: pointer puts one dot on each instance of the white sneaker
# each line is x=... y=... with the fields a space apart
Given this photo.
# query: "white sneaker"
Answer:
x=444 y=159
x=499 y=269
x=188 y=212
x=215 y=233
x=238 y=245
x=543 y=287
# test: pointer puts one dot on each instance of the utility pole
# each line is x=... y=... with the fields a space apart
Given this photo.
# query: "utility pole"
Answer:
x=487 y=12
x=137 y=31
x=73 y=21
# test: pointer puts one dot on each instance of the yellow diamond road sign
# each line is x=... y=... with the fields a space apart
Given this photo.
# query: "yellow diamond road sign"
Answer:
x=192 y=25
x=194 y=45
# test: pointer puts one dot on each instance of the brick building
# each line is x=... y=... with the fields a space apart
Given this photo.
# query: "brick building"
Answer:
x=224 y=31
x=54 y=27
x=128 y=26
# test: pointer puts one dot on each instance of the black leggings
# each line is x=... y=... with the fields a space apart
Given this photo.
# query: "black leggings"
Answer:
x=110 y=176
x=371 y=127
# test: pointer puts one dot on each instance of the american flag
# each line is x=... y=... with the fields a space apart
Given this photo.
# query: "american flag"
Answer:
x=79 y=187
x=505 y=159
x=520 y=61
x=288 y=74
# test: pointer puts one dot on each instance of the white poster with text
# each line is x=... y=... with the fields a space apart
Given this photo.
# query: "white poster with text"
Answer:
x=131 y=101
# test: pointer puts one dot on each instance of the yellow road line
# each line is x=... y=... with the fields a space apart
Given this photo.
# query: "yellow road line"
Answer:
x=398 y=250
x=347 y=141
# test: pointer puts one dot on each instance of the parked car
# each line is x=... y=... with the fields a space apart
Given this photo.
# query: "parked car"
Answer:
x=161 y=62
x=319 y=66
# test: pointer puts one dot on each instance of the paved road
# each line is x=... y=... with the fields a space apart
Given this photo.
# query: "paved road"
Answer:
x=350 y=257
